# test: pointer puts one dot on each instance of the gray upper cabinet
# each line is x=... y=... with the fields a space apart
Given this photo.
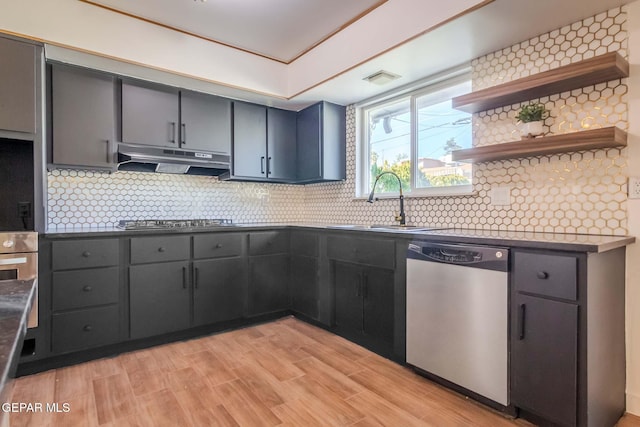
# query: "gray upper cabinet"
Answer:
x=264 y=143
x=83 y=112
x=205 y=122
x=166 y=117
x=321 y=142
x=249 y=141
x=150 y=115
x=281 y=144
x=17 y=86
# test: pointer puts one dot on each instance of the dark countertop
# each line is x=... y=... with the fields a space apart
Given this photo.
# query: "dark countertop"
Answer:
x=519 y=239
x=15 y=301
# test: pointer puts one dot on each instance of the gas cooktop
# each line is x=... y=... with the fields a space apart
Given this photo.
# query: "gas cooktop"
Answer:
x=148 y=224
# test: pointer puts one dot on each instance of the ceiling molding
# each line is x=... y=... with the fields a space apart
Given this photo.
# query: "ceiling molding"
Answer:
x=231 y=46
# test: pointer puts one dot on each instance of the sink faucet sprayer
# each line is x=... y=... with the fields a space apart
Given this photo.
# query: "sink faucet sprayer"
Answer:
x=401 y=216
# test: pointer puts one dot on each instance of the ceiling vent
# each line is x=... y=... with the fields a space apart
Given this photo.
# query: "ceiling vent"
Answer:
x=381 y=77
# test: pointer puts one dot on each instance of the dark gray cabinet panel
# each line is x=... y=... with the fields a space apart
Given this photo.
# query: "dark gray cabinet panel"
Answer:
x=159 y=296
x=321 y=143
x=218 y=290
x=268 y=242
x=348 y=283
x=552 y=275
x=82 y=117
x=304 y=285
x=72 y=254
x=85 y=288
x=150 y=115
x=281 y=144
x=304 y=243
x=161 y=248
x=84 y=329
x=544 y=358
x=268 y=284
x=17 y=86
x=249 y=141
x=217 y=245
x=205 y=122
x=378 y=304
x=375 y=252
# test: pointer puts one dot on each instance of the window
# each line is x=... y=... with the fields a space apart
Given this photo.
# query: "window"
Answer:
x=413 y=136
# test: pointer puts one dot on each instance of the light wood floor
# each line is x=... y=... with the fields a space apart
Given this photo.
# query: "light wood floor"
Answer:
x=281 y=373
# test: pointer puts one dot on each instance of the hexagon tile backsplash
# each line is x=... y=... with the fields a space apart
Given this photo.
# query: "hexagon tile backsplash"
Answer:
x=582 y=192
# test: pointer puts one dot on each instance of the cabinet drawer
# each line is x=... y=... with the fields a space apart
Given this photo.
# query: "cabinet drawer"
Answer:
x=85 y=288
x=217 y=245
x=380 y=253
x=303 y=243
x=546 y=274
x=268 y=242
x=84 y=329
x=158 y=249
x=71 y=254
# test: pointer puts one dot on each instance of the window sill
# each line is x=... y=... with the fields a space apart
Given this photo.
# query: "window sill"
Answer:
x=463 y=191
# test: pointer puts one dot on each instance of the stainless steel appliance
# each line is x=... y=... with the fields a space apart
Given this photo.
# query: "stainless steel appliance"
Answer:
x=154 y=224
x=144 y=158
x=19 y=260
x=457 y=315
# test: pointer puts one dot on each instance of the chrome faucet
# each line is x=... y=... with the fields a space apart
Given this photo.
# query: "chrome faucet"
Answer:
x=401 y=217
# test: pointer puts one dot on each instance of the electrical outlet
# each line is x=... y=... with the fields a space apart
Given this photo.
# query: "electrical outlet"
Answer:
x=634 y=187
x=501 y=196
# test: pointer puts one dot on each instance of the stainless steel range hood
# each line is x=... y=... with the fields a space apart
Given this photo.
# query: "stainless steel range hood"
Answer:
x=144 y=158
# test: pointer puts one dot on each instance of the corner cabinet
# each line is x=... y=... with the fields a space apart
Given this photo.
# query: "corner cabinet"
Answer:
x=264 y=143
x=18 y=86
x=82 y=114
x=567 y=342
x=321 y=139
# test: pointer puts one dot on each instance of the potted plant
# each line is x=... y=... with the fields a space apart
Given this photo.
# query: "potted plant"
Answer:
x=531 y=118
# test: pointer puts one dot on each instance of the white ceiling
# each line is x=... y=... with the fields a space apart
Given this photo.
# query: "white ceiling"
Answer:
x=278 y=29
x=334 y=70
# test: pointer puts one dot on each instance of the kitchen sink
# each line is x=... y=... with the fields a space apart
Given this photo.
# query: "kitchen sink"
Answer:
x=395 y=228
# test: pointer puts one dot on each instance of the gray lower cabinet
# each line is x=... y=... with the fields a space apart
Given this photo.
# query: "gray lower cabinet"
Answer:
x=304 y=286
x=85 y=292
x=218 y=290
x=82 y=116
x=365 y=288
x=268 y=284
x=159 y=296
x=567 y=337
x=17 y=86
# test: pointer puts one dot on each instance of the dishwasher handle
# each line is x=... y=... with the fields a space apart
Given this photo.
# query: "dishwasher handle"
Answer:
x=476 y=256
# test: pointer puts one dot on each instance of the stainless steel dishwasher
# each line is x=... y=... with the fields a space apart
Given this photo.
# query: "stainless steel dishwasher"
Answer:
x=457 y=315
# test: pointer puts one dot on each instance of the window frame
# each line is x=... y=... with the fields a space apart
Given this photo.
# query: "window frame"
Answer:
x=363 y=146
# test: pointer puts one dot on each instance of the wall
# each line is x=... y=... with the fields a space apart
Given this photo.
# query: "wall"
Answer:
x=79 y=199
x=569 y=193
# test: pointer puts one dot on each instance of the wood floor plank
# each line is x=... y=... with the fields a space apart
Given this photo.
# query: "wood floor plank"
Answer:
x=334 y=359
x=71 y=382
x=208 y=365
x=114 y=397
x=264 y=385
x=144 y=375
x=297 y=413
x=160 y=409
x=38 y=388
x=383 y=411
x=82 y=412
x=244 y=406
x=339 y=384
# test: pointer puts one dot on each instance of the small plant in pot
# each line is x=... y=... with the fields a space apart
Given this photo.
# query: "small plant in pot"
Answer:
x=531 y=120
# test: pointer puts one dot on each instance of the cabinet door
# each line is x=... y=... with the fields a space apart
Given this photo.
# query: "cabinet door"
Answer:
x=268 y=284
x=304 y=285
x=218 y=293
x=159 y=298
x=348 y=282
x=206 y=122
x=150 y=115
x=83 y=117
x=544 y=358
x=281 y=144
x=17 y=86
x=249 y=140
x=309 y=134
x=377 y=295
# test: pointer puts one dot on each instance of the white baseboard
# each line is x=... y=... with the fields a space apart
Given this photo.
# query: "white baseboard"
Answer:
x=633 y=403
